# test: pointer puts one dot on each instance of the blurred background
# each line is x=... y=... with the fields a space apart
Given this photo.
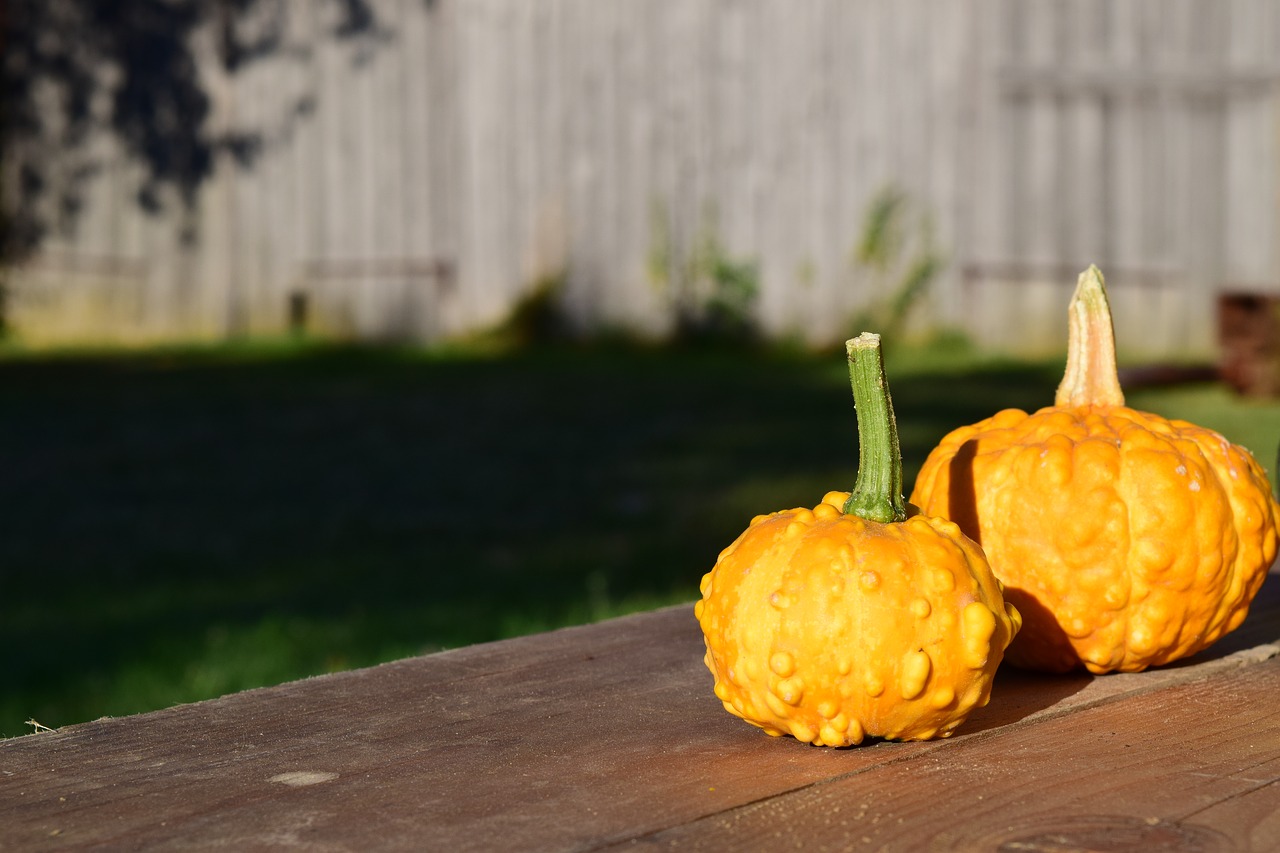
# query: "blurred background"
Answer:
x=412 y=169
x=341 y=330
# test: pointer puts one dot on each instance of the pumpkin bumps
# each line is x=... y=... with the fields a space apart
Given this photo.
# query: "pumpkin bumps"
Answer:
x=1141 y=549
x=860 y=617
x=832 y=628
x=1126 y=539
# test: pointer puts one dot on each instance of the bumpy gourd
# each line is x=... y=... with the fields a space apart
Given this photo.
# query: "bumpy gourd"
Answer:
x=851 y=619
x=1125 y=539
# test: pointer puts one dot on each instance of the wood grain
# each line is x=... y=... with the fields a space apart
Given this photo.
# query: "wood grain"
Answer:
x=1198 y=760
x=609 y=734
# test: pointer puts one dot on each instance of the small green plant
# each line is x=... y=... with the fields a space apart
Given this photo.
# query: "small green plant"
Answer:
x=538 y=317
x=895 y=262
x=712 y=294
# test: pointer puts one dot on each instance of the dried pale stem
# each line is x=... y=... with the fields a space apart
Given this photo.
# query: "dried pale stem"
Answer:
x=1091 y=378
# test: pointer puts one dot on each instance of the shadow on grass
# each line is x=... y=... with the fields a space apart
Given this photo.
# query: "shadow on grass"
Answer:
x=182 y=525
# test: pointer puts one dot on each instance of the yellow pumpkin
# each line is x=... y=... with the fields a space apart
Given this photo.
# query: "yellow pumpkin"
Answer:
x=1125 y=539
x=860 y=617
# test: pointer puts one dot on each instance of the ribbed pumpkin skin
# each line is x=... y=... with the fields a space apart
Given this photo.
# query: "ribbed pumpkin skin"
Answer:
x=832 y=628
x=1125 y=540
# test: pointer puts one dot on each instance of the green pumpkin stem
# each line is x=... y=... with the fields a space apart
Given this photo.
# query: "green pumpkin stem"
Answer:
x=877 y=496
x=1091 y=378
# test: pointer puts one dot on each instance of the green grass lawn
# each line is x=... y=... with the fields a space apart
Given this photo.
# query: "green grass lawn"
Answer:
x=181 y=524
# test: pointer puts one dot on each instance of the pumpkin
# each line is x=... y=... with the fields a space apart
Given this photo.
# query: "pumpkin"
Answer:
x=1125 y=539
x=859 y=617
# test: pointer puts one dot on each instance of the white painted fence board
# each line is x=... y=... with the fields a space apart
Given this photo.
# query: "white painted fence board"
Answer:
x=523 y=141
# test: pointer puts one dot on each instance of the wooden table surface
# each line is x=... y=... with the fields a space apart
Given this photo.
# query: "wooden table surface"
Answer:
x=608 y=736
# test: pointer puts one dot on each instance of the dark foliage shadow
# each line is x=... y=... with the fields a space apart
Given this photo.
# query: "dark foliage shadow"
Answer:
x=158 y=105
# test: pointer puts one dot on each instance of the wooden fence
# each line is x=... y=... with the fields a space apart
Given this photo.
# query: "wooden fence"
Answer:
x=420 y=179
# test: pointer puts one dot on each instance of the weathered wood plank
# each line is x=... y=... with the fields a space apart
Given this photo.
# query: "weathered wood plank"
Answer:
x=597 y=735
x=1196 y=764
x=1254 y=816
x=562 y=739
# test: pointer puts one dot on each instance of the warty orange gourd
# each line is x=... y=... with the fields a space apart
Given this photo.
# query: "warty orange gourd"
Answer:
x=1125 y=539
x=859 y=617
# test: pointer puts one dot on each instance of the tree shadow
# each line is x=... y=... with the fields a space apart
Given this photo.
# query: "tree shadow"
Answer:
x=62 y=61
